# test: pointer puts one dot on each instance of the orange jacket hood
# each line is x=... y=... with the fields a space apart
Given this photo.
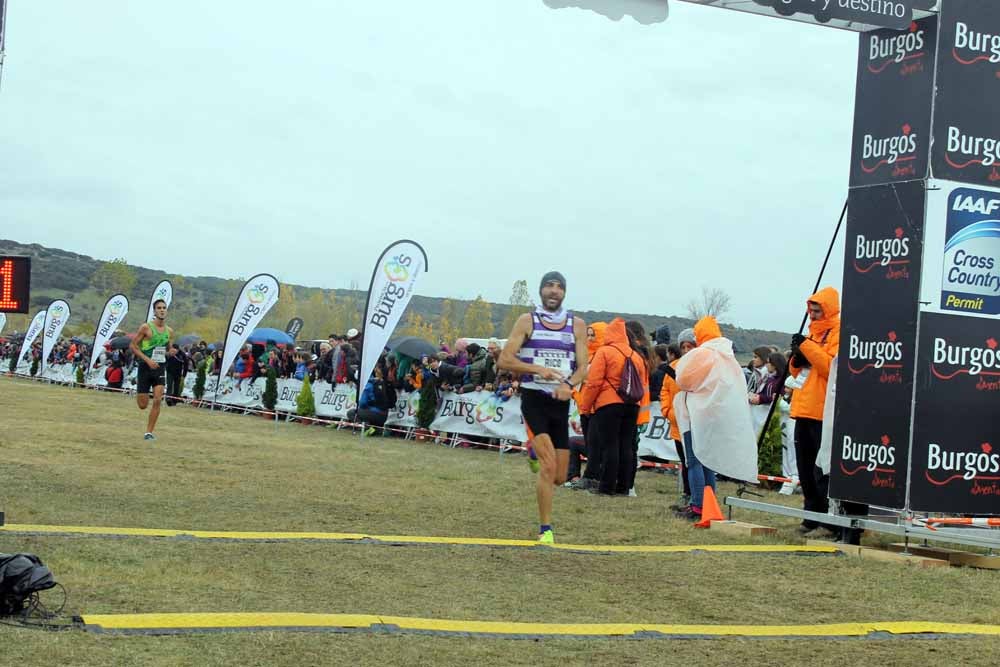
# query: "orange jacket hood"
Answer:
x=614 y=334
x=706 y=329
x=599 y=330
x=829 y=299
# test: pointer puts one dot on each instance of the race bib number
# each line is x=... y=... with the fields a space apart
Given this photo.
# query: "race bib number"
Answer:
x=159 y=354
x=556 y=360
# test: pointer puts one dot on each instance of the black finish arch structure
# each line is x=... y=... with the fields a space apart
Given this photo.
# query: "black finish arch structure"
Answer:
x=918 y=375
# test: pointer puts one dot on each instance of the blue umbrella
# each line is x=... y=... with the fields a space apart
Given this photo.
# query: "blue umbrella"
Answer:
x=263 y=335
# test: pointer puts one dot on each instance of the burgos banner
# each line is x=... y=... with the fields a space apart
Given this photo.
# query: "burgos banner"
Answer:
x=55 y=319
x=257 y=297
x=971 y=279
x=114 y=314
x=393 y=279
x=29 y=337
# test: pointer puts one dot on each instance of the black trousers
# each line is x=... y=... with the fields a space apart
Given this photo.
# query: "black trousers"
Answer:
x=174 y=387
x=590 y=439
x=614 y=427
x=815 y=485
x=684 y=469
x=577 y=450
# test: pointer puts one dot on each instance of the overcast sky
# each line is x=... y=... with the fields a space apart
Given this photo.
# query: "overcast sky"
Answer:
x=227 y=138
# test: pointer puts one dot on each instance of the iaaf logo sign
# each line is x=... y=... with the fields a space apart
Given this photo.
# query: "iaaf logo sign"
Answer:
x=964 y=150
x=950 y=361
x=892 y=254
x=969 y=466
x=882 y=355
x=878 y=458
x=971 y=46
x=896 y=151
x=907 y=48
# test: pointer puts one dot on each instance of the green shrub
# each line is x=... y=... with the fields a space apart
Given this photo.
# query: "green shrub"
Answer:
x=199 y=380
x=305 y=405
x=428 y=402
x=270 y=395
x=769 y=453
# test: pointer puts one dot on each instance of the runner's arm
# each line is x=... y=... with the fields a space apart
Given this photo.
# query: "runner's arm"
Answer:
x=580 y=333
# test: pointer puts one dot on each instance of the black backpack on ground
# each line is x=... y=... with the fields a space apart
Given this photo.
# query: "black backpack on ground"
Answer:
x=21 y=575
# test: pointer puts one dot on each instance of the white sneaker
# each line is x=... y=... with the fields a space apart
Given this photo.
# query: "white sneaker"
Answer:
x=149 y=436
x=632 y=493
x=787 y=489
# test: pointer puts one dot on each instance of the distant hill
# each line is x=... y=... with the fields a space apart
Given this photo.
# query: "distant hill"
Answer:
x=207 y=302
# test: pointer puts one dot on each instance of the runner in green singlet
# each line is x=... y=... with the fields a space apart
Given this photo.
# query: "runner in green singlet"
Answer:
x=150 y=349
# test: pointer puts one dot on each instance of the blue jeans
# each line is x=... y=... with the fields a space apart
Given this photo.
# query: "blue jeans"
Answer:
x=698 y=475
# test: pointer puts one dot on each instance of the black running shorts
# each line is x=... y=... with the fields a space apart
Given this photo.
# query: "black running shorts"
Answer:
x=147 y=378
x=545 y=415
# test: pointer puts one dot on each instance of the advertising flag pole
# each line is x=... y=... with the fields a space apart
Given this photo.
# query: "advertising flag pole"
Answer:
x=805 y=318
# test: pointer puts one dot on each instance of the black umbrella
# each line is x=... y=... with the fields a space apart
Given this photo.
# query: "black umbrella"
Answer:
x=412 y=346
x=120 y=343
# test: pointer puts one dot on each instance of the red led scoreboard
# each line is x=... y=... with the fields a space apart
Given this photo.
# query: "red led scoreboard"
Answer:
x=15 y=284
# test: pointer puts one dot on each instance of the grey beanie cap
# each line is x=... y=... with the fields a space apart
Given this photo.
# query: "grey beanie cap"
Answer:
x=686 y=336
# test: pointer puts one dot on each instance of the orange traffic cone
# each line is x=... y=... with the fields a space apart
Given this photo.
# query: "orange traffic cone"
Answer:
x=710 y=510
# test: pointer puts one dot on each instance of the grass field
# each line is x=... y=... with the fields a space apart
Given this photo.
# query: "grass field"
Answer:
x=73 y=457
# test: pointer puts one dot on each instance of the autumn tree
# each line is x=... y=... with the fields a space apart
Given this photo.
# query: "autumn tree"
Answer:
x=713 y=301
x=478 y=319
x=414 y=325
x=113 y=277
x=520 y=303
x=448 y=322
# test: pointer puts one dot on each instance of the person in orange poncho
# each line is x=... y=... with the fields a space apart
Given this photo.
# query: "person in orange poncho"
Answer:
x=592 y=474
x=614 y=420
x=713 y=403
x=816 y=353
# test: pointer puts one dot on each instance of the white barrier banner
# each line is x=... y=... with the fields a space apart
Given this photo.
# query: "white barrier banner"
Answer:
x=3 y=321
x=404 y=414
x=334 y=401
x=655 y=439
x=56 y=317
x=480 y=413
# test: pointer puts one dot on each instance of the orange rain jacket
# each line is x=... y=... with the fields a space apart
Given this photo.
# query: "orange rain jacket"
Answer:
x=667 y=393
x=604 y=376
x=592 y=347
x=820 y=349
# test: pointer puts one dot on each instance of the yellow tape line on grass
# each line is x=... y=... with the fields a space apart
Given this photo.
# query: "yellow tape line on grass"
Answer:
x=151 y=623
x=406 y=539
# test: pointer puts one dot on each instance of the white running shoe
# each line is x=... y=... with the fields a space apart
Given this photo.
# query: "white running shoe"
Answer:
x=787 y=489
x=632 y=493
x=149 y=436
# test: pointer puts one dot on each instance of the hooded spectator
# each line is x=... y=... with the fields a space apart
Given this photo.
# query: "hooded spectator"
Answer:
x=815 y=352
x=614 y=420
x=592 y=475
x=713 y=404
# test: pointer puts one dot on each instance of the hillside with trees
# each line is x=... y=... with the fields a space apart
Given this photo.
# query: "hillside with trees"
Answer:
x=202 y=305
